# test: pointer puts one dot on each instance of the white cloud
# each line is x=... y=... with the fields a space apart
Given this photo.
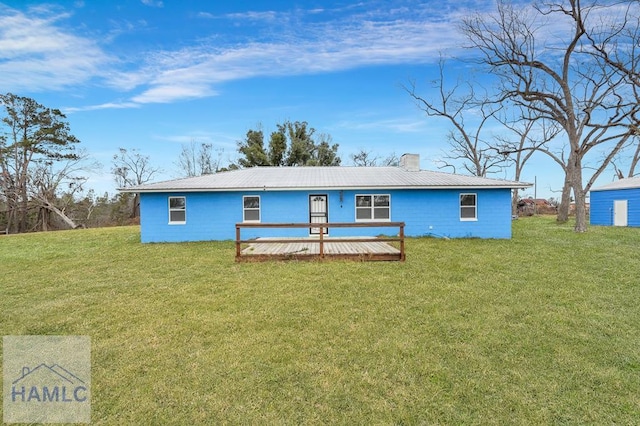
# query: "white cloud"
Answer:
x=153 y=3
x=218 y=140
x=193 y=72
x=166 y=93
x=39 y=53
x=107 y=105
x=395 y=125
x=253 y=16
x=205 y=15
x=36 y=54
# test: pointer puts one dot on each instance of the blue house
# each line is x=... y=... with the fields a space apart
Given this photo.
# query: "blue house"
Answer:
x=616 y=204
x=430 y=203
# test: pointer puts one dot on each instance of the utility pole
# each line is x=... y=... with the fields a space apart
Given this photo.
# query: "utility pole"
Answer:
x=535 y=195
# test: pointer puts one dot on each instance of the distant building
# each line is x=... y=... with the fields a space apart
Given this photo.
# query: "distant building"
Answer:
x=531 y=206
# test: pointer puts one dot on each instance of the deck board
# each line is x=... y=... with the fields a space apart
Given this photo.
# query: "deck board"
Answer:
x=262 y=249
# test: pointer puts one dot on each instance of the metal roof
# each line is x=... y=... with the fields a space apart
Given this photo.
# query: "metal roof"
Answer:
x=300 y=178
x=628 y=183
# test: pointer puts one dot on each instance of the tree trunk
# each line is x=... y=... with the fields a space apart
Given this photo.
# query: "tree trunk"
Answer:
x=61 y=214
x=579 y=195
x=514 y=202
x=44 y=219
x=23 y=210
x=12 y=214
x=135 y=210
x=581 y=210
x=565 y=200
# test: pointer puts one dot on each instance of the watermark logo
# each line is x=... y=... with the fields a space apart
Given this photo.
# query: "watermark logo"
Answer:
x=46 y=379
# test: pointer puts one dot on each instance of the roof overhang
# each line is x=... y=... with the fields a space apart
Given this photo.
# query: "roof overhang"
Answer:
x=521 y=185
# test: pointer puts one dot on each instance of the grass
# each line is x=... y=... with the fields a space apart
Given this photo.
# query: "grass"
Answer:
x=543 y=328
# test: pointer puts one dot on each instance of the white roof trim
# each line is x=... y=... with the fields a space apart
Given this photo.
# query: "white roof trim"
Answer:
x=317 y=188
x=627 y=183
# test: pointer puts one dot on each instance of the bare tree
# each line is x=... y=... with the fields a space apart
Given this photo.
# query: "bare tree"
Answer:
x=526 y=136
x=625 y=161
x=131 y=168
x=635 y=158
x=391 y=160
x=197 y=159
x=364 y=158
x=560 y=79
x=55 y=188
x=468 y=145
x=619 y=47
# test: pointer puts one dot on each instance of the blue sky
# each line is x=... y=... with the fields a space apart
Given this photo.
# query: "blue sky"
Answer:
x=152 y=75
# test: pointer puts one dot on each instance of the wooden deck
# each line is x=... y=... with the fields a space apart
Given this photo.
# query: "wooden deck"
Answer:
x=320 y=247
x=336 y=248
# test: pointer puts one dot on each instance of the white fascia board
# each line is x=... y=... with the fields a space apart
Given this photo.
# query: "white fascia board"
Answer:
x=322 y=188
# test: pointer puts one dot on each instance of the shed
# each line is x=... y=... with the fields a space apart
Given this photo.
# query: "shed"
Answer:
x=616 y=204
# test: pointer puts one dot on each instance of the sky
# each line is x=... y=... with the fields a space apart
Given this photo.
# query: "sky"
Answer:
x=153 y=75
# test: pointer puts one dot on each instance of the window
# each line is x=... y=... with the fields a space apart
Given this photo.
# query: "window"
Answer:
x=468 y=207
x=373 y=207
x=251 y=208
x=177 y=210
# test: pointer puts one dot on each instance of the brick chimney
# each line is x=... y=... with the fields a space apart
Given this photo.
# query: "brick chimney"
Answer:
x=410 y=162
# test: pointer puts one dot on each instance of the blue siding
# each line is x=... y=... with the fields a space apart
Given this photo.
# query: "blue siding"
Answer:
x=601 y=206
x=213 y=215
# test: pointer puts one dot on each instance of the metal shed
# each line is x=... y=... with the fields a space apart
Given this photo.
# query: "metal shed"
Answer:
x=617 y=203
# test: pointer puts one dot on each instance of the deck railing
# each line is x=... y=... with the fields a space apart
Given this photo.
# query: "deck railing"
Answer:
x=322 y=239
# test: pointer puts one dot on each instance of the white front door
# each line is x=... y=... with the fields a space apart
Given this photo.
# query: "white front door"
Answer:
x=318 y=212
x=620 y=213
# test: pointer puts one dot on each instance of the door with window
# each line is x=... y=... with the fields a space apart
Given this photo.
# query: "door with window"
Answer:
x=318 y=212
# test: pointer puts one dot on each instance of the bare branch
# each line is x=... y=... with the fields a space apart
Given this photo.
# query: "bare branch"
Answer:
x=577 y=81
x=466 y=142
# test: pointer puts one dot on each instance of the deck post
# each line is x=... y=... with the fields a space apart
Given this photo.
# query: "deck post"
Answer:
x=402 y=242
x=238 y=252
x=321 y=242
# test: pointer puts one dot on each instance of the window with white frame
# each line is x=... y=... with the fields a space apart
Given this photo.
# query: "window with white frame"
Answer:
x=373 y=207
x=251 y=208
x=177 y=210
x=468 y=207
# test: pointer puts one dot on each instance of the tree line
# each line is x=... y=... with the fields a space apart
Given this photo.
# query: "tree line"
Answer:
x=34 y=140
x=563 y=81
x=43 y=172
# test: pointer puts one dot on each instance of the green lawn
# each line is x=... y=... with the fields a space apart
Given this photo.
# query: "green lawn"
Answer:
x=543 y=328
